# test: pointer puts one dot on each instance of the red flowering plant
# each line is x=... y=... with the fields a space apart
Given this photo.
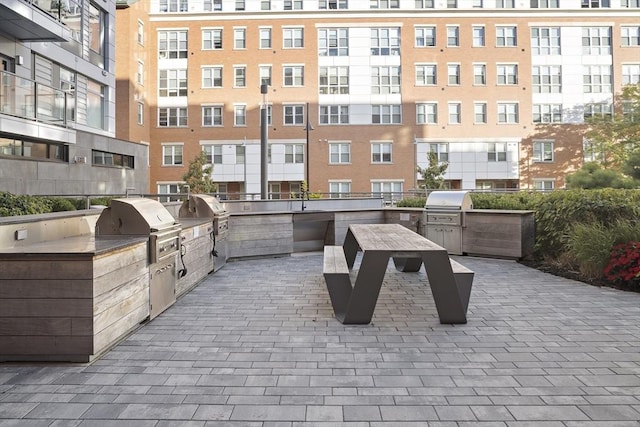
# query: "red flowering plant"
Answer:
x=624 y=265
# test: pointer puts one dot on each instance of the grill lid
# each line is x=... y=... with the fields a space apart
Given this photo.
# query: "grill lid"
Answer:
x=449 y=200
x=133 y=216
x=202 y=206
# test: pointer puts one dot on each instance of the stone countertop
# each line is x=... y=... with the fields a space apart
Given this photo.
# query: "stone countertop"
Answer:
x=88 y=245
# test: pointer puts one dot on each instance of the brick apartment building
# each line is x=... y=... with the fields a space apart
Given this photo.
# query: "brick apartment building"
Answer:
x=499 y=89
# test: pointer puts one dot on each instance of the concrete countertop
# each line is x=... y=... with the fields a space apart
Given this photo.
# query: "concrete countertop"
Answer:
x=81 y=245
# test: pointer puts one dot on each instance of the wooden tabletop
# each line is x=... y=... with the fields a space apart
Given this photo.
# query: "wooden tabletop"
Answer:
x=390 y=237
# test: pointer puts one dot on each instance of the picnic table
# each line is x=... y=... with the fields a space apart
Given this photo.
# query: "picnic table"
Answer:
x=450 y=281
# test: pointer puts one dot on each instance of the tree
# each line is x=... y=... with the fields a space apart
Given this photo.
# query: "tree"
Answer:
x=198 y=177
x=594 y=175
x=618 y=136
x=432 y=175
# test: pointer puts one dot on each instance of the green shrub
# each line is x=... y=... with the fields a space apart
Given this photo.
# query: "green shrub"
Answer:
x=412 y=202
x=518 y=200
x=13 y=205
x=62 y=205
x=590 y=244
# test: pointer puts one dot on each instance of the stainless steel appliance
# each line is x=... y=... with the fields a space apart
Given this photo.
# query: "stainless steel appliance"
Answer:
x=205 y=206
x=146 y=217
x=444 y=218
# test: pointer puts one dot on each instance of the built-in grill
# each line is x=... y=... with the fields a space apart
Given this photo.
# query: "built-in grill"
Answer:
x=444 y=218
x=205 y=206
x=146 y=217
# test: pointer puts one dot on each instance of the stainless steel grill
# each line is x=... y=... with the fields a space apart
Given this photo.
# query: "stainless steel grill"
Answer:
x=146 y=217
x=205 y=206
x=444 y=218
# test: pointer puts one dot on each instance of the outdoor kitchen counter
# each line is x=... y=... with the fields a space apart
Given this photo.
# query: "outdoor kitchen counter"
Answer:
x=78 y=245
x=71 y=299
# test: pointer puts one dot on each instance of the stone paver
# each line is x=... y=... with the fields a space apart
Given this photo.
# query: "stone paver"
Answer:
x=256 y=344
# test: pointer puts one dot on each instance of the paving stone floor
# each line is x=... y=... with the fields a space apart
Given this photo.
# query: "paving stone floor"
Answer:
x=256 y=344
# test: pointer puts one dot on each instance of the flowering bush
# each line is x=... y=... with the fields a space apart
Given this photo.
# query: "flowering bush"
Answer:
x=624 y=265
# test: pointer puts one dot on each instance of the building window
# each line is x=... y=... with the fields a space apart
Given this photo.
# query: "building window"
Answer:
x=424 y=4
x=95 y=104
x=294 y=153
x=480 y=112
x=478 y=36
x=293 y=75
x=426 y=75
x=333 y=4
x=631 y=4
x=212 y=115
x=34 y=150
x=596 y=41
x=213 y=154
x=292 y=38
x=592 y=152
x=241 y=152
x=630 y=74
x=169 y=189
x=172 y=83
x=427 y=113
x=506 y=36
x=630 y=36
x=507 y=113
x=294 y=114
x=140 y=33
x=140 y=73
x=452 y=4
x=239 y=38
x=507 y=74
x=212 y=39
x=543 y=151
x=265 y=4
x=116 y=160
x=265 y=38
x=292 y=4
x=546 y=79
x=240 y=4
x=334 y=80
x=385 y=80
x=386 y=114
x=425 y=36
x=97 y=28
x=384 y=4
x=453 y=74
x=595 y=4
x=441 y=150
x=172 y=117
x=211 y=77
x=455 y=111
x=172 y=44
x=239 y=115
x=174 y=5
x=239 y=76
x=339 y=189
x=545 y=4
x=479 y=74
x=600 y=110
x=505 y=4
x=545 y=41
x=543 y=184
x=597 y=79
x=265 y=75
x=140 y=113
x=385 y=41
x=381 y=152
x=547 y=113
x=334 y=114
x=172 y=155
x=497 y=152
x=388 y=190
x=453 y=36
x=339 y=153
x=333 y=42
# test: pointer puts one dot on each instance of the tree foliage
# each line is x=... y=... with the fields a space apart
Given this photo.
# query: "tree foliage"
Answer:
x=594 y=175
x=618 y=136
x=433 y=174
x=198 y=177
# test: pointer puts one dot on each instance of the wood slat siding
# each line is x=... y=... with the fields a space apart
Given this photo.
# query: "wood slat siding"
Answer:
x=343 y=219
x=260 y=235
x=45 y=268
x=506 y=235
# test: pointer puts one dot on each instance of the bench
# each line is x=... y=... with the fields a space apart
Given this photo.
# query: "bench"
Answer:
x=336 y=274
x=464 y=280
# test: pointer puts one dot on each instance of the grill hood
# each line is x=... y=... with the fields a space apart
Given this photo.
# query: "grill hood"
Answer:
x=133 y=216
x=202 y=206
x=450 y=200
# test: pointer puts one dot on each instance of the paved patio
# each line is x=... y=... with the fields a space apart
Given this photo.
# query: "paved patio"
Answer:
x=256 y=344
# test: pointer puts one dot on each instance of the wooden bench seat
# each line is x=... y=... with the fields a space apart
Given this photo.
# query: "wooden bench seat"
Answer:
x=336 y=274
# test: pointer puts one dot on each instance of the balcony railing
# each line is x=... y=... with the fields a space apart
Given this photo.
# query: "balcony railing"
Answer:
x=31 y=100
